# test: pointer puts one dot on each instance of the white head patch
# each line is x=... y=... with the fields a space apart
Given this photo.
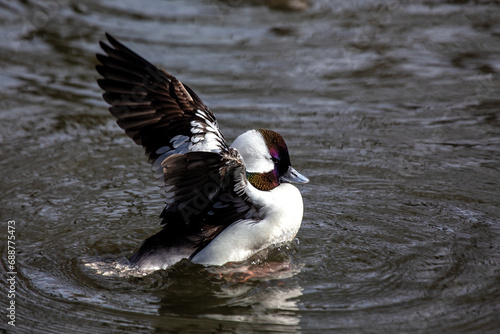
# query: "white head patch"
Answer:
x=252 y=147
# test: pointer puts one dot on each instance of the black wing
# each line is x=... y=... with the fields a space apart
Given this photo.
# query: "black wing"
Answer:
x=204 y=180
x=154 y=108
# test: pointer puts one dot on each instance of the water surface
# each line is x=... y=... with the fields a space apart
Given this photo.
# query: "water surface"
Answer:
x=390 y=108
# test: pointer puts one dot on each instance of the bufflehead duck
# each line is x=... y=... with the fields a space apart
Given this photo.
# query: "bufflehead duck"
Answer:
x=223 y=203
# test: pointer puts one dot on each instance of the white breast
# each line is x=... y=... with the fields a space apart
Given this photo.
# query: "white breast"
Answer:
x=281 y=216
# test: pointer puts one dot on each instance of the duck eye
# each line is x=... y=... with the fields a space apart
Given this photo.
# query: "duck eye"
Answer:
x=275 y=160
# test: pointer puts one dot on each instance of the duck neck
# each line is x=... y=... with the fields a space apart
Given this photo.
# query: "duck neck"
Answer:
x=264 y=181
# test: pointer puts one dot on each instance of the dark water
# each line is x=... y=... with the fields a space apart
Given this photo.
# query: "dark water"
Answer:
x=390 y=108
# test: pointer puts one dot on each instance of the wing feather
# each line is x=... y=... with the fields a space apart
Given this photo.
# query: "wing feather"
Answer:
x=153 y=107
x=204 y=180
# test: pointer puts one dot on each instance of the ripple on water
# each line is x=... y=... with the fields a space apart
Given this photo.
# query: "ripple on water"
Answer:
x=389 y=108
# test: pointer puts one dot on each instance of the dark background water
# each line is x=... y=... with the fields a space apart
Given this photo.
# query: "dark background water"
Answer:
x=391 y=108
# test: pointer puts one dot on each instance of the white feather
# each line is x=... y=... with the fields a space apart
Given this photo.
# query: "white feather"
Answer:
x=282 y=211
x=253 y=149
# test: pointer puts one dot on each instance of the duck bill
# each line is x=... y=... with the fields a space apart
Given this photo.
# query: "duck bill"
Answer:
x=292 y=175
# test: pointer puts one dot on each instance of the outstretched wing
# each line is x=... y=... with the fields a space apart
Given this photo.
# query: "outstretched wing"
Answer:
x=204 y=179
x=154 y=108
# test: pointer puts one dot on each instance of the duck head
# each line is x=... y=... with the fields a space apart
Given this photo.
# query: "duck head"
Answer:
x=266 y=159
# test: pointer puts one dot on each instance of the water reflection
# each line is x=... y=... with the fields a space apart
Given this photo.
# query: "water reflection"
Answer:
x=262 y=292
x=222 y=301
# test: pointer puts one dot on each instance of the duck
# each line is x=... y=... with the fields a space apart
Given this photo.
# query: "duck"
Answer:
x=224 y=203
